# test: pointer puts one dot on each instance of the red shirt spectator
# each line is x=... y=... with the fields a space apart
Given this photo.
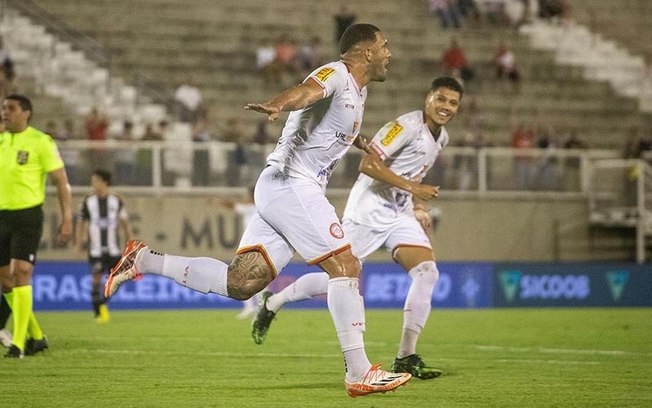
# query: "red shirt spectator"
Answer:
x=96 y=125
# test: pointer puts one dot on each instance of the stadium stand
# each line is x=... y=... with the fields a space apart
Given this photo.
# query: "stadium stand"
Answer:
x=165 y=39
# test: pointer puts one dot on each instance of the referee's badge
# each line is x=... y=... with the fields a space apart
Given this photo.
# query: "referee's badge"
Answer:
x=22 y=156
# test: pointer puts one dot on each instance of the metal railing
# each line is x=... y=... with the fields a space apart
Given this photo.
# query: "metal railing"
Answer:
x=620 y=195
x=175 y=165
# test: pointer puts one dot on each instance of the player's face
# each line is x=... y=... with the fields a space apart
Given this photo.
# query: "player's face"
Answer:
x=13 y=116
x=97 y=184
x=442 y=105
x=379 y=60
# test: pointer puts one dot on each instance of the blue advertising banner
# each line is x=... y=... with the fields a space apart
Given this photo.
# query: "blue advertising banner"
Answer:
x=463 y=285
x=66 y=286
x=572 y=284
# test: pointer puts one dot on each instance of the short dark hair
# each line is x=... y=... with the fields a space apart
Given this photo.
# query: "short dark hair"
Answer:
x=23 y=101
x=105 y=175
x=447 y=82
x=356 y=34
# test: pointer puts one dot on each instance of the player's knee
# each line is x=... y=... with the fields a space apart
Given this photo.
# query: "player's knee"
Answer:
x=344 y=265
x=428 y=271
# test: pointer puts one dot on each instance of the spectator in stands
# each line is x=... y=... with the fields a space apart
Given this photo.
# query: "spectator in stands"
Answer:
x=286 y=57
x=125 y=156
x=343 y=19
x=188 y=99
x=310 y=55
x=447 y=12
x=554 y=9
x=572 y=163
x=573 y=141
x=548 y=172
x=151 y=134
x=522 y=138
x=454 y=63
x=265 y=57
x=144 y=156
x=7 y=72
x=96 y=126
x=506 y=67
x=235 y=133
x=469 y=10
x=496 y=14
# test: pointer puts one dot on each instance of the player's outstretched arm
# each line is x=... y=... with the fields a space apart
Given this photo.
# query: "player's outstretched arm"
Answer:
x=372 y=165
x=291 y=99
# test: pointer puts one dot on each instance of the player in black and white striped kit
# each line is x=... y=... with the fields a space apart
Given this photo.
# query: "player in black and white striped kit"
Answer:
x=100 y=218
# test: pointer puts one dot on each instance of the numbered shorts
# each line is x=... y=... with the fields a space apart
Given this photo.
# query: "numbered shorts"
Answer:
x=293 y=215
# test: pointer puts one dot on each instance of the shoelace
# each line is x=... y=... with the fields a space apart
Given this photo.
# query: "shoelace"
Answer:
x=375 y=374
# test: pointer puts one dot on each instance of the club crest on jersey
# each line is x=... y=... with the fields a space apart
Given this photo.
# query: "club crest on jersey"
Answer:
x=393 y=132
x=22 y=156
x=336 y=230
x=324 y=73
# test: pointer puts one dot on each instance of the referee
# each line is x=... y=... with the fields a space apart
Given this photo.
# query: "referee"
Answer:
x=27 y=156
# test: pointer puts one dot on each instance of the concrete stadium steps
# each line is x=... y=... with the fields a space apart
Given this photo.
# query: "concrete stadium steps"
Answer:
x=165 y=40
x=625 y=21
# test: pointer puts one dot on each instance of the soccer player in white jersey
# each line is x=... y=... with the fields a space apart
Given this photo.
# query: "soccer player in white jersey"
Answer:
x=380 y=212
x=293 y=213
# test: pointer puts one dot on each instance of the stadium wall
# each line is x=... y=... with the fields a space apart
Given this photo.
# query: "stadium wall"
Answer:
x=480 y=228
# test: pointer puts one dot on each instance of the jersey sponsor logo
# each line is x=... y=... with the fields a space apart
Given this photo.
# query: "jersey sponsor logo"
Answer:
x=393 y=132
x=348 y=139
x=336 y=230
x=324 y=73
x=22 y=156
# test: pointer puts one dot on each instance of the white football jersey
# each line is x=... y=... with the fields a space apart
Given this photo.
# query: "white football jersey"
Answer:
x=409 y=149
x=315 y=138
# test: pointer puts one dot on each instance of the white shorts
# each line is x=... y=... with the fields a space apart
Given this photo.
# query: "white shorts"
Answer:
x=292 y=215
x=365 y=239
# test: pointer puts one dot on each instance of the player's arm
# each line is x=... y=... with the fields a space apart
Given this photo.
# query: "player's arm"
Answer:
x=373 y=166
x=64 y=195
x=297 y=97
x=422 y=214
x=125 y=224
x=361 y=143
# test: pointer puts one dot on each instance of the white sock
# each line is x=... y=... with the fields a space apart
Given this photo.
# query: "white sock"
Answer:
x=149 y=261
x=306 y=287
x=347 y=311
x=417 y=305
x=201 y=274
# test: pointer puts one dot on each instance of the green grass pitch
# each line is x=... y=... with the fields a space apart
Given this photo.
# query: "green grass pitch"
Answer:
x=491 y=358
